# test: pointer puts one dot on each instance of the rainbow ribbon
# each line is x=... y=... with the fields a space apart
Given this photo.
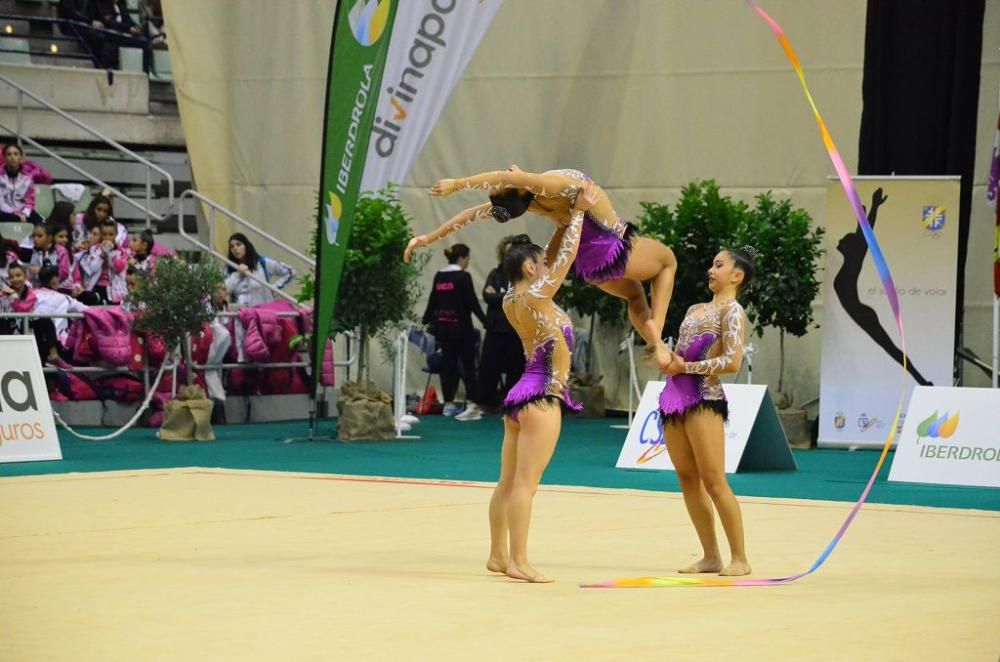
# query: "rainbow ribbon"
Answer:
x=890 y=290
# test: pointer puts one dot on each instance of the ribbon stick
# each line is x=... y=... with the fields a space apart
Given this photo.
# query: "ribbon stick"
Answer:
x=890 y=291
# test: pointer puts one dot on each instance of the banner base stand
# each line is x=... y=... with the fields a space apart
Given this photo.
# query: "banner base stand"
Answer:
x=755 y=440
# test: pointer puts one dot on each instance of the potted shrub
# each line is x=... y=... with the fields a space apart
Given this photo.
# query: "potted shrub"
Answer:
x=377 y=294
x=173 y=302
x=702 y=222
x=784 y=288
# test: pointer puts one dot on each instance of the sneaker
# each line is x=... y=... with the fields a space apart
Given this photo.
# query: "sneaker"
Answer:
x=466 y=416
x=471 y=413
x=451 y=410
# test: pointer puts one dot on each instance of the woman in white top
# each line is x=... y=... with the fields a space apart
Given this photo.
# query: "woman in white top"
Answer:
x=245 y=284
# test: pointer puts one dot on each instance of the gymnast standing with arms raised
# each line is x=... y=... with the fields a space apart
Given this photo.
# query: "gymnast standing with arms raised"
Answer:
x=694 y=410
x=533 y=414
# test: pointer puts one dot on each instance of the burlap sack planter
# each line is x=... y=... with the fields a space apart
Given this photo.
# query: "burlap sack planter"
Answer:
x=189 y=417
x=364 y=414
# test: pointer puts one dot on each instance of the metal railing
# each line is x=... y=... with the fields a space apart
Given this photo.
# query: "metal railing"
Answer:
x=18 y=132
x=350 y=359
x=215 y=208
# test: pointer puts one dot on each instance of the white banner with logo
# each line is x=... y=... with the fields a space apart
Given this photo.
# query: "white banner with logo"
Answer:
x=432 y=42
x=755 y=439
x=916 y=222
x=27 y=429
x=951 y=437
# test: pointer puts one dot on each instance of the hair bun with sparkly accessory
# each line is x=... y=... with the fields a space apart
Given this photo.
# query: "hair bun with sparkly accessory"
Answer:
x=501 y=214
x=751 y=251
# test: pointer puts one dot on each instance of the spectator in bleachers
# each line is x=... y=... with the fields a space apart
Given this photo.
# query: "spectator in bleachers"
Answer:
x=8 y=256
x=113 y=15
x=47 y=253
x=151 y=17
x=245 y=290
x=17 y=190
x=59 y=218
x=145 y=251
x=13 y=288
x=99 y=209
x=8 y=259
x=46 y=299
x=132 y=278
x=81 y=13
x=102 y=268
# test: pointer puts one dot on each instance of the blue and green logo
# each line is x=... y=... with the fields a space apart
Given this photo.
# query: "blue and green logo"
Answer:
x=938 y=427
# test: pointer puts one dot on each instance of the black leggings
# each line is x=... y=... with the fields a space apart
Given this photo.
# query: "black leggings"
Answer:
x=453 y=352
x=502 y=354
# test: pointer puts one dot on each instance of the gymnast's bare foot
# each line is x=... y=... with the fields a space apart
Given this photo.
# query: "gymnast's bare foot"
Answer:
x=704 y=565
x=526 y=573
x=497 y=564
x=736 y=569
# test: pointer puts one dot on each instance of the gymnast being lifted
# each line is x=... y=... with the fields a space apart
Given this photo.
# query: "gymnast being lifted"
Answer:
x=611 y=255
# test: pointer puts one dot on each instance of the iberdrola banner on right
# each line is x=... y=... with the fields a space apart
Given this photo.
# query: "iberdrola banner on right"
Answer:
x=916 y=222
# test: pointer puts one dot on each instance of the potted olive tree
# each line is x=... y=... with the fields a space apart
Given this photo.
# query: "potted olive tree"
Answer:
x=172 y=302
x=784 y=288
x=377 y=294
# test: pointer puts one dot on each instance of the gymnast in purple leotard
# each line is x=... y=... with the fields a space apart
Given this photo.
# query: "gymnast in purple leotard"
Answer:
x=611 y=255
x=693 y=409
x=533 y=414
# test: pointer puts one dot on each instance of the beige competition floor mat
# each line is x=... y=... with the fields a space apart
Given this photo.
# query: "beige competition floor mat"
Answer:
x=204 y=564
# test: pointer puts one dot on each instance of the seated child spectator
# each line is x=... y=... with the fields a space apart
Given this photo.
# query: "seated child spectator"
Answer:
x=50 y=333
x=99 y=210
x=13 y=282
x=47 y=252
x=102 y=267
x=145 y=251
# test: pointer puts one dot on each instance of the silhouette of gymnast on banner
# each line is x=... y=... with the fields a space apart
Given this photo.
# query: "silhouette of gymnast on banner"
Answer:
x=854 y=249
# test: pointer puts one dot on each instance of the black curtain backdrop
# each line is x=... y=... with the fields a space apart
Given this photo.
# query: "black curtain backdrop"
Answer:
x=921 y=96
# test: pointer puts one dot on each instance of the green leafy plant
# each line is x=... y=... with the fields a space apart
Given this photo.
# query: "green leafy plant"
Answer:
x=702 y=222
x=378 y=291
x=587 y=299
x=785 y=285
x=174 y=300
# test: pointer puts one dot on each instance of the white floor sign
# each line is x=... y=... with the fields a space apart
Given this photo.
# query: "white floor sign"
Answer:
x=27 y=429
x=755 y=439
x=951 y=436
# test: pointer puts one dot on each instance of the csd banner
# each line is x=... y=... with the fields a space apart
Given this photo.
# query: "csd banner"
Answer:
x=27 y=429
x=950 y=437
x=393 y=64
x=755 y=439
x=916 y=221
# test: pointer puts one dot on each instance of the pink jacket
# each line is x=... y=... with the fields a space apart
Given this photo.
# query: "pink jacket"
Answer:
x=263 y=329
x=105 y=335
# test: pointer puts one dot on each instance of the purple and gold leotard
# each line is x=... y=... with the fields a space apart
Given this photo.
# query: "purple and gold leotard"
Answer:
x=711 y=343
x=606 y=242
x=545 y=332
